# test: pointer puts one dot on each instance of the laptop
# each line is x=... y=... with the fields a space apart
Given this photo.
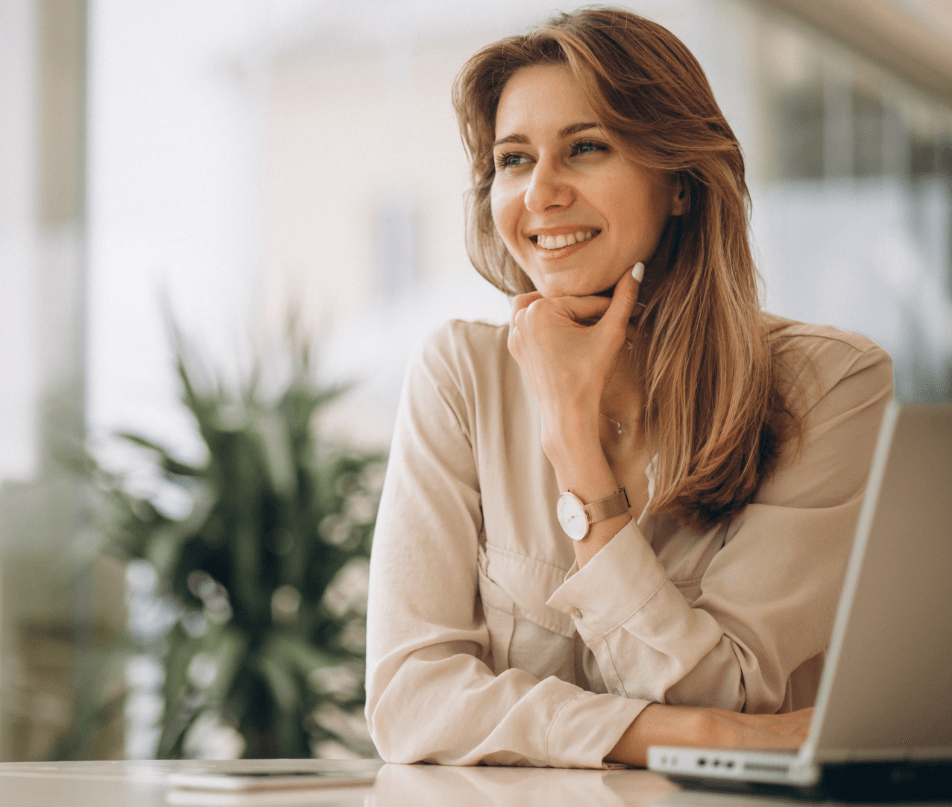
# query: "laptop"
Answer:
x=882 y=724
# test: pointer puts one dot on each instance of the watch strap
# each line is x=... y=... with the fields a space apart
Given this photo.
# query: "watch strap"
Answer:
x=609 y=507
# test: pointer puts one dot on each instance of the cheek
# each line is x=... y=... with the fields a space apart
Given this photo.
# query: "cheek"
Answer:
x=504 y=213
x=650 y=216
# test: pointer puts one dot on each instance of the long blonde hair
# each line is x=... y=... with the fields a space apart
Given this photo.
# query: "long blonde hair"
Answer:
x=714 y=414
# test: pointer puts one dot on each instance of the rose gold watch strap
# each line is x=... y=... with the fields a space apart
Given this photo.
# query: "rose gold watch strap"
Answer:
x=607 y=508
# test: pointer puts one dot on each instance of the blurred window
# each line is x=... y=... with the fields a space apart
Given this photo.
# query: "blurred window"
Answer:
x=857 y=219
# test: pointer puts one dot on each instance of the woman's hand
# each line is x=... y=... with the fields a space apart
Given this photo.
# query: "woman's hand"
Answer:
x=567 y=348
x=706 y=727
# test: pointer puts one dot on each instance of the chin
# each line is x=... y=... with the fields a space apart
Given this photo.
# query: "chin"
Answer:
x=565 y=288
x=553 y=292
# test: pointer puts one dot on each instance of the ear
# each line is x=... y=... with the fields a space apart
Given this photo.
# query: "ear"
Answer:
x=680 y=204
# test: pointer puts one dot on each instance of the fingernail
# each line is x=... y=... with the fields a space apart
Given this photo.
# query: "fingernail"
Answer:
x=638 y=271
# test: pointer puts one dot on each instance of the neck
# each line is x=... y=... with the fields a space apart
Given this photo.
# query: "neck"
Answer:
x=621 y=404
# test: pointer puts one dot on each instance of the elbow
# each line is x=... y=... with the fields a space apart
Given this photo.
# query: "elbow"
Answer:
x=392 y=730
x=380 y=722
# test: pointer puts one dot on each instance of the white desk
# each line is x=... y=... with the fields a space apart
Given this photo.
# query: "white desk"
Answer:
x=142 y=784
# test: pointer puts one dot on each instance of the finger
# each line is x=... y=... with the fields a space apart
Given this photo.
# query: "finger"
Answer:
x=582 y=309
x=522 y=301
x=625 y=296
x=577 y=309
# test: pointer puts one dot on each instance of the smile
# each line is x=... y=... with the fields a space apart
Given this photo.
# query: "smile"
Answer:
x=550 y=242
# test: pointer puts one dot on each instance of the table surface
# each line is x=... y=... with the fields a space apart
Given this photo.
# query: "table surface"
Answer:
x=143 y=784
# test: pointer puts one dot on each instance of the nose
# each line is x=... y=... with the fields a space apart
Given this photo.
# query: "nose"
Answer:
x=548 y=188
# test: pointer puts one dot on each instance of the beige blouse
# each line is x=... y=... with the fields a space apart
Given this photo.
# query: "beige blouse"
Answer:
x=486 y=643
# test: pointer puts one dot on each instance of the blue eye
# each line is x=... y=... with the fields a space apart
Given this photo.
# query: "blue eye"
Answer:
x=508 y=160
x=587 y=147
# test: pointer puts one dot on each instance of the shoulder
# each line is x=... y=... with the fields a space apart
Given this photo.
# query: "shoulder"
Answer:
x=801 y=341
x=837 y=384
x=827 y=375
x=463 y=378
x=459 y=339
x=816 y=358
x=462 y=357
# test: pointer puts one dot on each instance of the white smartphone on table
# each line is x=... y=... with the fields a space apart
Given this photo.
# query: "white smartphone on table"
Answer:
x=243 y=776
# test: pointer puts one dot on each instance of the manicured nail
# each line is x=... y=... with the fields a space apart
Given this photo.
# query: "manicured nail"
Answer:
x=638 y=271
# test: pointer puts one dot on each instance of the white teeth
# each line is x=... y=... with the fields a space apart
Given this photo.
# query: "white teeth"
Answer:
x=560 y=241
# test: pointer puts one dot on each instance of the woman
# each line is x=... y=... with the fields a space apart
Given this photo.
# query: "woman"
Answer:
x=623 y=519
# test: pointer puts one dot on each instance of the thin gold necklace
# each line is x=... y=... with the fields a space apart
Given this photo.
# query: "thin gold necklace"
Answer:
x=619 y=426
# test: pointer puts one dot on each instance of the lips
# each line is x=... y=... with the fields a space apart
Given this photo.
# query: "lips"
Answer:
x=551 y=241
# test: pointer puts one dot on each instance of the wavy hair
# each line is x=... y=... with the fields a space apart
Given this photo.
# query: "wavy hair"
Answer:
x=714 y=414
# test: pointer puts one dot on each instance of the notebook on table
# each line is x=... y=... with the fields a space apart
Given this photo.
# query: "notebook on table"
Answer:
x=882 y=725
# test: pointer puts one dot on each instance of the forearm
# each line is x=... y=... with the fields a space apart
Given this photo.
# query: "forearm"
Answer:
x=449 y=709
x=574 y=449
x=658 y=724
x=568 y=349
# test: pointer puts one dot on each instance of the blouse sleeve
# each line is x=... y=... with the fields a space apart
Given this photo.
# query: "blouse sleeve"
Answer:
x=764 y=604
x=430 y=694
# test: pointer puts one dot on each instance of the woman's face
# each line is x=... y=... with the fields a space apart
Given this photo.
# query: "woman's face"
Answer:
x=574 y=212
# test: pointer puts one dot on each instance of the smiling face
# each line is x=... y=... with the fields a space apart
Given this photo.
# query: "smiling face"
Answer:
x=574 y=212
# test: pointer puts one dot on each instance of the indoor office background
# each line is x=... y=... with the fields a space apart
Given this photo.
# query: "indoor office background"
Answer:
x=250 y=169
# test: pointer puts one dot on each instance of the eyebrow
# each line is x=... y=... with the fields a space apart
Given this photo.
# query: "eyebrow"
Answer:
x=567 y=131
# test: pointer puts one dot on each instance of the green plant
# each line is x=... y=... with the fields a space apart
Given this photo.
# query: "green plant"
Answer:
x=246 y=576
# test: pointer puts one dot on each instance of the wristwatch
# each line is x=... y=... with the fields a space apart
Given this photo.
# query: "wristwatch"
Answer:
x=576 y=517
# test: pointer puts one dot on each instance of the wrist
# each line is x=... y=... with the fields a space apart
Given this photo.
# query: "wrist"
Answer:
x=571 y=434
x=580 y=464
x=577 y=517
x=658 y=725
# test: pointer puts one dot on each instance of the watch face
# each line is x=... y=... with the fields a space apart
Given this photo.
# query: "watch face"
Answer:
x=572 y=517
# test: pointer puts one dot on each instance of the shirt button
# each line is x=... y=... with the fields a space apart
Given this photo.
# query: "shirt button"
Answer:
x=576 y=613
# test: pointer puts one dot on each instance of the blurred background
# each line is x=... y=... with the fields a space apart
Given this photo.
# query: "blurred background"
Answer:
x=274 y=175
